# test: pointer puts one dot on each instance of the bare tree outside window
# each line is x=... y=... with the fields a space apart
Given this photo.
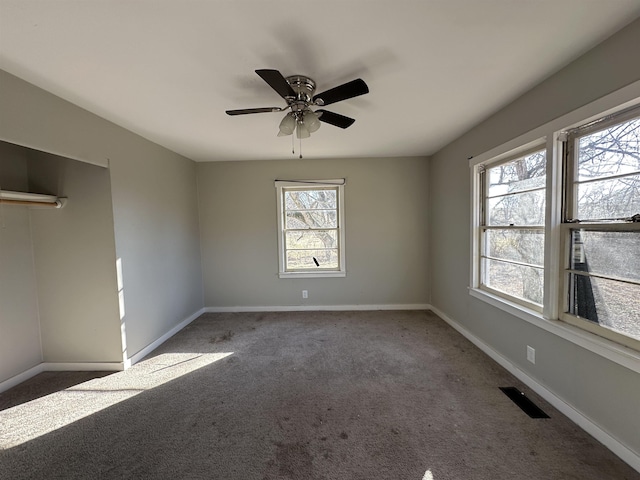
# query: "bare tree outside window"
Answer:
x=606 y=195
x=311 y=228
x=608 y=173
x=514 y=227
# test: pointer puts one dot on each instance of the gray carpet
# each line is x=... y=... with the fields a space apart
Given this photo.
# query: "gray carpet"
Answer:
x=317 y=396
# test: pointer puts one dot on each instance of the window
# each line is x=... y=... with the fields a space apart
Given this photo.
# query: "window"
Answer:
x=556 y=228
x=601 y=226
x=512 y=227
x=311 y=228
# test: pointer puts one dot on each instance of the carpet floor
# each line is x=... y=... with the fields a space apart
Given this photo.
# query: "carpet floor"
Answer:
x=296 y=395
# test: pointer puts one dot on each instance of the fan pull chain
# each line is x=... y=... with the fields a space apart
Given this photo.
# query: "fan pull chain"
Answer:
x=300 y=148
x=293 y=145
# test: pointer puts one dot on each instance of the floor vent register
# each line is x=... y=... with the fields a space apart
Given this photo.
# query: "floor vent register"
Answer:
x=521 y=400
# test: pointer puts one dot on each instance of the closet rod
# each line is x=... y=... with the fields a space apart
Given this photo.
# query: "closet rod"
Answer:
x=32 y=203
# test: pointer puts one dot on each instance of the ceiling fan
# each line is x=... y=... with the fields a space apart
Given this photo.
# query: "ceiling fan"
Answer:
x=298 y=91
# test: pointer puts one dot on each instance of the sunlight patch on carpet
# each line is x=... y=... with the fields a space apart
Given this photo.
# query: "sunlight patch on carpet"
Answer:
x=427 y=475
x=46 y=414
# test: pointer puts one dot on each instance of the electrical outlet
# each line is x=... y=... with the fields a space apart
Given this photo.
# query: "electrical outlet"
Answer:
x=305 y=293
x=531 y=354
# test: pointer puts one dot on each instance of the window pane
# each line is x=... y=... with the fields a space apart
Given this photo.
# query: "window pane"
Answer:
x=608 y=199
x=524 y=173
x=310 y=199
x=615 y=254
x=609 y=303
x=515 y=280
x=311 y=239
x=526 y=246
x=312 y=219
x=518 y=209
x=303 y=259
x=613 y=151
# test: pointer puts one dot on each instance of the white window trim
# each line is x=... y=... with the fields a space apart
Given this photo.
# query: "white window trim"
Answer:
x=341 y=272
x=528 y=149
x=566 y=228
x=548 y=320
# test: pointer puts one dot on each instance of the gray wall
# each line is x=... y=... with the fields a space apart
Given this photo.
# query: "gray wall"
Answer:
x=74 y=253
x=386 y=233
x=605 y=392
x=154 y=203
x=157 y=239
x=20 y=347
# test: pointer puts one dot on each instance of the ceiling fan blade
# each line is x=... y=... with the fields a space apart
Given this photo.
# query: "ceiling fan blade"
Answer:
x=246 y=111
x=276 y=81
x=347 y=90
x=335 y=119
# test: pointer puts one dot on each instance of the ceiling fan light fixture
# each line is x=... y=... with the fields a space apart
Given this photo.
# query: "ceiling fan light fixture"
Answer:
x=287 y=125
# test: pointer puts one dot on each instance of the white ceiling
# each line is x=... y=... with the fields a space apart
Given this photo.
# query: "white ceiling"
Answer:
x=168 y=69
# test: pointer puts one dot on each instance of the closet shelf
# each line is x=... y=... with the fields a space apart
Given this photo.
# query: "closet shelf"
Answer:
x=31 y=199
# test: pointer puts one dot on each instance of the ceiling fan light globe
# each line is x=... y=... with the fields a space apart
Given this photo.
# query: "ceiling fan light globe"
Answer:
x=302 y=131
x=287 y=125
x=310 y=120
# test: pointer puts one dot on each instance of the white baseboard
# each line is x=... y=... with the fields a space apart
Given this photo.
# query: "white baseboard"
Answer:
x=132 y=360
x=21 y=377
x=584 y=422
x=82 y=366
x=95 y=366
x=318 y=308
x=60 y=367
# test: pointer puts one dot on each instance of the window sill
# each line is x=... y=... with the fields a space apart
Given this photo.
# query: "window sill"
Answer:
x=608 y=349
x=312 y=274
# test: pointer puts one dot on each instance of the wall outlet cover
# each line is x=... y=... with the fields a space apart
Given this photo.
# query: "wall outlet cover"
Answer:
x=531 y=354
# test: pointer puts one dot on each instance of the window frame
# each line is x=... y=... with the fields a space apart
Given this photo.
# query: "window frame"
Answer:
x=484 y=227
x=285 y=185
x=571 y=138
x=553 y=133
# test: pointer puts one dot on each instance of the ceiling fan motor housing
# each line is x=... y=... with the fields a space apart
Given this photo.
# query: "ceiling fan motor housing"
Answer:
x=303 y=86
